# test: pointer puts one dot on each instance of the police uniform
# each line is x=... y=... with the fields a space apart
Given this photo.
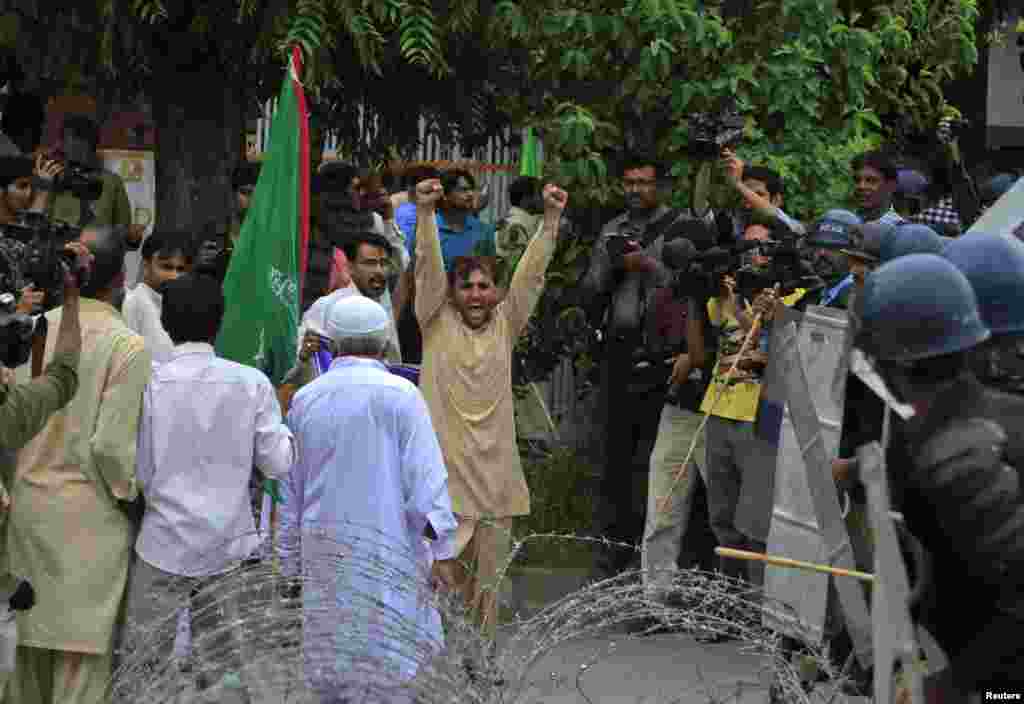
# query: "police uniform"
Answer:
x=995 y=267
x=959 y=492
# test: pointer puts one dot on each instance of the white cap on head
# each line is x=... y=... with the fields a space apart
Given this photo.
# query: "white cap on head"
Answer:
x=355 y=316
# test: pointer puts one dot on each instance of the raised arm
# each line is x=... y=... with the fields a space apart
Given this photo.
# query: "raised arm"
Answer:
x=431 y=278
x=528 y=281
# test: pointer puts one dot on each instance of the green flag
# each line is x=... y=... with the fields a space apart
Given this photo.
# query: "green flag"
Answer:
x=262 y=285
x=529 y=159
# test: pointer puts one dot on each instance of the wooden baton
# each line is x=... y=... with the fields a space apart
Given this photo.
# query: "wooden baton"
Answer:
x=796 y=564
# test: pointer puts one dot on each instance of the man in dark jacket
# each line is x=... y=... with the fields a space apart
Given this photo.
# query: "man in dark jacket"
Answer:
x=626 y=273
x=959 y=493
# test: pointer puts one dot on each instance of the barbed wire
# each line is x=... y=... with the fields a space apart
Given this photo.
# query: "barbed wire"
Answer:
x=327 y=626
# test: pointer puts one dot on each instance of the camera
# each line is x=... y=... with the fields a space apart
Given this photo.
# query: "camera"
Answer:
x=83 y=182
x=700 y=274
x=710 y=133
x=785 y=269
x=46 y=260
x=16 y=331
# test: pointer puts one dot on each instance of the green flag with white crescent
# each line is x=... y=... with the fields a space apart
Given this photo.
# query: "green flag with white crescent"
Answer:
x=262 y=285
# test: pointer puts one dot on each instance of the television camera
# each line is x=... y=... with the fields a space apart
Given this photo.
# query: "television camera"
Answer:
x=45 y=263
x=699 y=274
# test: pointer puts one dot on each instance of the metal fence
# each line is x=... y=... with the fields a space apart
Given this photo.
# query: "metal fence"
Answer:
x=497 y=153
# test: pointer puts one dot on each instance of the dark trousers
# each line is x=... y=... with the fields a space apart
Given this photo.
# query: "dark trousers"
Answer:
x=631 y=428
x=409 y=335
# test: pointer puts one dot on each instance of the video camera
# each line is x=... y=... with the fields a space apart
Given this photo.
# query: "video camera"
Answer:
x=699 y=274
x=83 y=182
x=710 y=133
x=46 y=260
x=16 y=330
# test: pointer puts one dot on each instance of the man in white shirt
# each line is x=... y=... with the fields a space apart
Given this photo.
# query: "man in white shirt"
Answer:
x=368 y=256
x=206 y=423
x=370 y=483
x=165 y=257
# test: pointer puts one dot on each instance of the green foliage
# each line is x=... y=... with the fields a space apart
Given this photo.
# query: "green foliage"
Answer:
x=563 y=491
x=817 y=81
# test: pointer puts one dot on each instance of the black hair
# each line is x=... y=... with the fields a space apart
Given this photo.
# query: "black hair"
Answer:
x=877 y=160
x=108 y=251
x=169 y=243
x=632 y=162
x=334 y=177
x=420 y=173
x=83 y=127
x=771 y=179
x=451 y=177
x=463 y=266
x=24 y=115
x=351 y=246
x=14 y=167
x=192 y=308
x=245 y=174
x=522 y=188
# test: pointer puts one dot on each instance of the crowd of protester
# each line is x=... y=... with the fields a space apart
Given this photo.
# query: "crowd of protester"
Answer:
x=133 y=461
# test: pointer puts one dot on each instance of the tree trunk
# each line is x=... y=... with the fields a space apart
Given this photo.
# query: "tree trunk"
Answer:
x=200 y=126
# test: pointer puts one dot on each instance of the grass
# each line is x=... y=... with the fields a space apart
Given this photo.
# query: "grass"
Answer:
x=563 y=491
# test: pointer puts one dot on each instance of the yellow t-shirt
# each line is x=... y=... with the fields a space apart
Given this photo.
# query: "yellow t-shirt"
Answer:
x=738 y=400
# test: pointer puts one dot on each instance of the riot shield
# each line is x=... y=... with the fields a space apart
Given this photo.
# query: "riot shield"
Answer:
x=807 y=520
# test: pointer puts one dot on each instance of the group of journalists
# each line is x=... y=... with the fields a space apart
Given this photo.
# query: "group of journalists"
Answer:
x=111 y=509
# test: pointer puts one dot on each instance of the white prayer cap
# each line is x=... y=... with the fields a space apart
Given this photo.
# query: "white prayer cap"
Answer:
x=355 y=316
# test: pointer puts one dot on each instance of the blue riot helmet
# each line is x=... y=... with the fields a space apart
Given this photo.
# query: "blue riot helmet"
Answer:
x=832 y=230
x=910 y=239
x=994 y=265
x=866 y=240
x=916 y=307
x=995 y=188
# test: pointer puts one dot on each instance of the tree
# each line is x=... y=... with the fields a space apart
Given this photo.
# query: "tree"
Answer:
x=817 y=81
x=208 y=65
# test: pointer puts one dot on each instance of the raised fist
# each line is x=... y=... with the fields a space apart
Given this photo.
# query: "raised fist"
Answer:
x=555 y=199
x=428 y=192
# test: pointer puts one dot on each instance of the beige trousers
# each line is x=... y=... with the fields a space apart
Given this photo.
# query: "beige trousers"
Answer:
x=482 y=548
x=669 y=499
x=59 y=677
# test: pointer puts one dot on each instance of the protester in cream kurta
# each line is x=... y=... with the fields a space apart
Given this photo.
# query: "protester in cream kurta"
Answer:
x=467 y=382
x=67 y=533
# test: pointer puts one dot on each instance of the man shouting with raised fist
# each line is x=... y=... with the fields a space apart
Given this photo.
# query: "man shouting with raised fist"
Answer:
x=468 y=338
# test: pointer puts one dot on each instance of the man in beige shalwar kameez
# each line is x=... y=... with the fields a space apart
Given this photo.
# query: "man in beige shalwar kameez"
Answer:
x=466 y=379
x=67 y=531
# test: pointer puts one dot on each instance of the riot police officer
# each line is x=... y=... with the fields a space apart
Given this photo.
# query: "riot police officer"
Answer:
x=827 y=240
x=995 y=267
x=958 y=492
x=910 y=239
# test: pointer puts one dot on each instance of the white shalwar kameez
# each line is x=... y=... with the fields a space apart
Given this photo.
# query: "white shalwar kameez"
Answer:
x=368 y=480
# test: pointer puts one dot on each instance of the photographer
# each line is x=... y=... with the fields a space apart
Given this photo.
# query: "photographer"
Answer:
x=24 y=411
x=19 y=179
x=740 y=491
x=626 y=269
x=684 y=325
x=77 y=149
x=761 y=191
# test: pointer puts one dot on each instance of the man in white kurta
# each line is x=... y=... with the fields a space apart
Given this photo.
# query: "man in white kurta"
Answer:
x=165 y=257
x=68 y=532
x=468 y=339
x=368 y=486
